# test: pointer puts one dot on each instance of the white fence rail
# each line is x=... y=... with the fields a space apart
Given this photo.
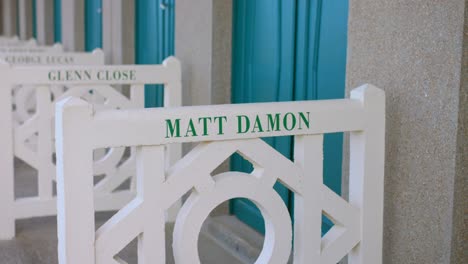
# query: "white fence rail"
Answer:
x=222 y=131
x=29 y=47
x=24 y=96
x=33 y=139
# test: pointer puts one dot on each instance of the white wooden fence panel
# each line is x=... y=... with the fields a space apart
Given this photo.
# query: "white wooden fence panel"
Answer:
x=23 y=97
x=357 y=229
x=23 y=101
x=38 y=128
x=14 y=42
x=30 y=47
x=9 y=40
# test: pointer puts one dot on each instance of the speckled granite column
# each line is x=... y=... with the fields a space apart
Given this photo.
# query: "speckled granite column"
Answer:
x=460 y=215
x=413 y=50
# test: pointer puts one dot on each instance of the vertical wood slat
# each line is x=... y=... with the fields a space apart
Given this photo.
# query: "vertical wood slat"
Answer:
x=173 y=98
x=25 y=19
x=45 y=22
x=118 y=30
x=72 y=25
x=150 y=176
x=75 y=192
x=107 y=25
x=44 y=143
x=9 y=14
x=366 y=179
x=7 y=220
x=137 y=96
x=308 y=154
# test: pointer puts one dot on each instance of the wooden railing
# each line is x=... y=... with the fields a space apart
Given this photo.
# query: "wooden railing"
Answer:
x=221 y=131
x=30 y=137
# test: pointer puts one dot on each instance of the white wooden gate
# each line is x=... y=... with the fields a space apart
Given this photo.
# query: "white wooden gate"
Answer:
x=14 y=41
x=9 y=40
x=222 y=131
x=24 y=101
x=92 y=83
x=30 y=48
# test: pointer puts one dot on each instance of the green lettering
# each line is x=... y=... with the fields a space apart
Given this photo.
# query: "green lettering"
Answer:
x=172 y=128
x=273 y=124
x=257 y=125
x=68 y=76
x=240 y=129
x=220 y=123
x=191 y=129
x=52 y=76
x=303 y=118
x=88 y=75
x=99 y=76
x=205 y=124
x=285 y=121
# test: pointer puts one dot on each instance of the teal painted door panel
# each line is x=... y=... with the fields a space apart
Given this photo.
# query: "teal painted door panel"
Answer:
x=34 y=19
x=263 y=63
x=57 y=21
x=154 y=39
x=93 y=24
x=290 y=50
x=321 y=70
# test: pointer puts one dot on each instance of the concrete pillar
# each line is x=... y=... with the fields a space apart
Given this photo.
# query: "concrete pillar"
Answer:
x=73 y=25
x=460 y=203
x=118 y=32
x=45 y=21
x=413 y=50
x=25 y=19
x=203 y=44
x=9 y=14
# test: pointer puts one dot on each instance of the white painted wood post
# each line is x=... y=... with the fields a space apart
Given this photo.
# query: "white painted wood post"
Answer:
x=45 y=168
x=366 y=179
x=45 y=21
x=308 y=155
x=75 y=193
x=150 y=176
x=73 y=25
x=173 y=97
x=7 y=218
x=9 y=14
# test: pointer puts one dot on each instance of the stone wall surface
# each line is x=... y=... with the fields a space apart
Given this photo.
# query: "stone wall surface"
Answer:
x=413 y=50
x=460 y=216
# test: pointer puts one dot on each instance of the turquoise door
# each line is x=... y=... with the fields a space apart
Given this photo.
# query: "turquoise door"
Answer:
x=93 y=24
x=154 y=39
x=57 y=21
x=263 y=71
x=289 y=50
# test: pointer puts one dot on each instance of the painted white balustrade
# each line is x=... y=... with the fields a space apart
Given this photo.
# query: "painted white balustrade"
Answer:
x=30 y=46
x=93 y=83
x=13 y=42
x=7 y=39
x=24 y=97
x=221 y=131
